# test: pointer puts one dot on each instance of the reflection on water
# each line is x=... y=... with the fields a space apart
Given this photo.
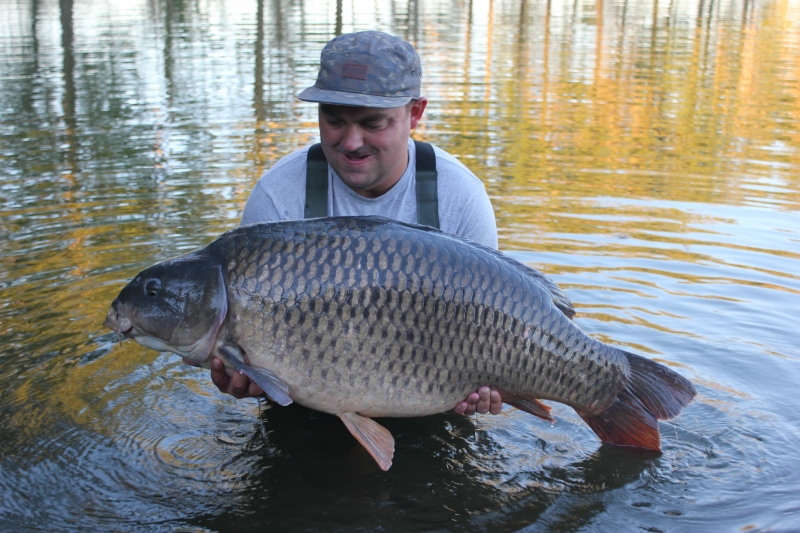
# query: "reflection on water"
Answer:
x=644 y=154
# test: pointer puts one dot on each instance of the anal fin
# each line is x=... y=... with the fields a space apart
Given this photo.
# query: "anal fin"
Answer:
x=372 y=436
x=274 y=386
x=532 y=406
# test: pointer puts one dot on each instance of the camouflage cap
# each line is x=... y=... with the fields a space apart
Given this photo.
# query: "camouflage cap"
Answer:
x=366 y=69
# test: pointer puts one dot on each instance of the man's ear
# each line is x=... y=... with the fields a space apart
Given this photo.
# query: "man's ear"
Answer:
x=417 y=110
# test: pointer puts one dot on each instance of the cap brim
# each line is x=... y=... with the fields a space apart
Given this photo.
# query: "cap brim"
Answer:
x=324 y=96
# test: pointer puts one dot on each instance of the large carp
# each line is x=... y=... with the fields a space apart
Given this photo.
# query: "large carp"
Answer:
x=363 y=317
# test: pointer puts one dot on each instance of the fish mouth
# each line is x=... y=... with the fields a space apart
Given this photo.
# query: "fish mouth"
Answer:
x=118 y=322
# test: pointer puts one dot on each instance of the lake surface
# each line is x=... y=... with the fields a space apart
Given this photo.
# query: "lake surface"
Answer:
x=644 y=154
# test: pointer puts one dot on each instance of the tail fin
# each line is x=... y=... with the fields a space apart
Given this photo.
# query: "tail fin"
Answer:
x=654 y=392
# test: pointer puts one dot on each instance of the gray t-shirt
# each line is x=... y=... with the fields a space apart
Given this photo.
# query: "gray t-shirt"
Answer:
x=464 y=207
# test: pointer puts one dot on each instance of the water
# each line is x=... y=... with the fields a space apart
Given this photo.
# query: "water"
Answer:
x=644 y=154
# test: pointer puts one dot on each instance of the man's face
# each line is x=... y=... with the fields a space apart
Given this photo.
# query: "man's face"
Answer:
x=368 y=147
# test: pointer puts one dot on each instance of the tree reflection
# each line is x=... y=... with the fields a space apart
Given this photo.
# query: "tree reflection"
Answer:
x=69 y=98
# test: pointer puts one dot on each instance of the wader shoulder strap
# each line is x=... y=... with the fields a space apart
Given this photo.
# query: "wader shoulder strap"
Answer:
x=427 y=188
x=426 y=176
x=316 y=183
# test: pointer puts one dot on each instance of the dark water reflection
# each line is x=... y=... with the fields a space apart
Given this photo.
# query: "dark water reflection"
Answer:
x=644 y=154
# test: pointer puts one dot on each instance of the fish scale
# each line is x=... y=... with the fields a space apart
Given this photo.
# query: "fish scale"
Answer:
x=363 y=316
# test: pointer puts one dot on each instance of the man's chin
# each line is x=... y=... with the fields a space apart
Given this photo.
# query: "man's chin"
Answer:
x=358 y=180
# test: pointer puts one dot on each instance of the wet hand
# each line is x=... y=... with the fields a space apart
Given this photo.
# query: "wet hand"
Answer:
x=238 y=385
x=485 y=400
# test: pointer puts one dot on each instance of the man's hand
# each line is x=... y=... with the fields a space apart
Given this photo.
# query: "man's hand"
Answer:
x=484 y=401
x=238 y=385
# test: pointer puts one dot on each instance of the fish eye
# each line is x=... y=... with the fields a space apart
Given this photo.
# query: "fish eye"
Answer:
x=152 y=287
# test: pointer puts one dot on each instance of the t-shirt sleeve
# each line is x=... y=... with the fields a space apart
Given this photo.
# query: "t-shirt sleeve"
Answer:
x=260 y=207
x=464 y=207
x=280 y=193
x=478 y=222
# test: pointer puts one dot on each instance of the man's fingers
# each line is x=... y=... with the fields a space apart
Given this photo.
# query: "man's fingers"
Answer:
x=467 y=407
x=255 y=390
x=239 y=385
x=218 y=375
x=460 y=408
x=236 y=385
x=495 y=403
x=472 y=403
x=483 y=400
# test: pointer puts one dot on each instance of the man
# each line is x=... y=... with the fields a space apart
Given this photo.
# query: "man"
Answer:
x=368 y=91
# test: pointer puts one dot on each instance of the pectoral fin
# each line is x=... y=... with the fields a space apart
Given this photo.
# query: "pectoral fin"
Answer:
x=373 y=436
x=274 y=386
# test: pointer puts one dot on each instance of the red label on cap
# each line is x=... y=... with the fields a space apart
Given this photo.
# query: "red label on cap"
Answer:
x=357 y=72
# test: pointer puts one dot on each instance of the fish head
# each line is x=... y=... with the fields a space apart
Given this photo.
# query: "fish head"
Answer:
x=175 y=306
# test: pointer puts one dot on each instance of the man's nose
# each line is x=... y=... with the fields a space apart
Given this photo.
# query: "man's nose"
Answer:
x=353 y=139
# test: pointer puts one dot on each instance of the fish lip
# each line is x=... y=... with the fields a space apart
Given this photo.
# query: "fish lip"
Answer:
x=117 y=321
